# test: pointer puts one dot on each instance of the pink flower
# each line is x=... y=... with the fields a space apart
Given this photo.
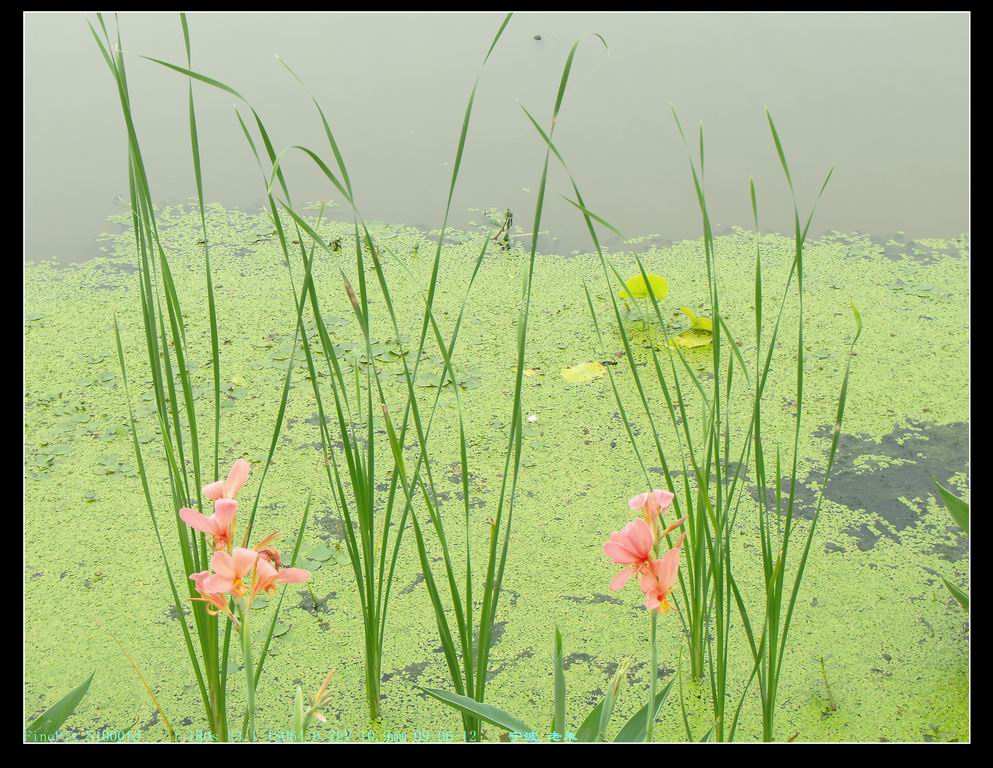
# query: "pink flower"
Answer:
x=230 y=570
x=631 y=547
x=215 y=602
x=266 y=576
x=652 y=504
x=659 y=578
x=218 y=525
x=228 y=489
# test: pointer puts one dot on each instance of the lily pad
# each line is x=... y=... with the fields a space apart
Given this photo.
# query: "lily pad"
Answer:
x=636 y=288
x=319 y=552
x=260 y=602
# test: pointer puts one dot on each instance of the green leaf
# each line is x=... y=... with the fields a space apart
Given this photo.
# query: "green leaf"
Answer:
x=558 y=672
x=319 y=552
x=590 y=727
x=958 y=508
x=58 y=713
x=634 y=729
x=957 y=593
x=485 y=712
x=298 y=715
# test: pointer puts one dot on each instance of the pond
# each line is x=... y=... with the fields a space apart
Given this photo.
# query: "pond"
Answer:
x=883 y=97
x=878 y=647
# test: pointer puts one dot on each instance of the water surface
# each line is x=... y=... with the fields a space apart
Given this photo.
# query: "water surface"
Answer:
x=882 y=95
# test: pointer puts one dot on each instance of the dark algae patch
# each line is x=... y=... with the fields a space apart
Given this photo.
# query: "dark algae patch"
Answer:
x=872 y=599
x=891 y=480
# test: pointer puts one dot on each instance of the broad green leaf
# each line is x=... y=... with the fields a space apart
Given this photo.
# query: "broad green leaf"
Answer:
x=58 y=713
x=590 y=728
x=958 y=508
x=634 y=729
x=485 y=712
x=957 y=593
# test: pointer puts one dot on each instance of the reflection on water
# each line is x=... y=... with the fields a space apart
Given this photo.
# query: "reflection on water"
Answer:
x=885 y=96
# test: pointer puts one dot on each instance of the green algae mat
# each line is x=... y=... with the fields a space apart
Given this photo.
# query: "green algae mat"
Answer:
x=879 y=649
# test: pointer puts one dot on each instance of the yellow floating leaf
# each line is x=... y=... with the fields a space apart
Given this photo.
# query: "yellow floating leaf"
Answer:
x=692 y=338
x=583 y=373
x=697 y=322
x=636 y=288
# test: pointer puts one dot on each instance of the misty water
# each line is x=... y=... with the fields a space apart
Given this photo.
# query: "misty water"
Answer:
x=882 y=96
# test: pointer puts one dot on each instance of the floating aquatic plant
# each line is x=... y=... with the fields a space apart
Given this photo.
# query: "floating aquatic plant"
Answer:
x=699 y=334
x=583 y=373
x=644 y=286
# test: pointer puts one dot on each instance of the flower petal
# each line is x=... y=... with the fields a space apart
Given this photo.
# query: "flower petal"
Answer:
x=223 y=564
x=243 y=561
x=214 y=490
x=198 y=578
x=237 y=478
x=666 y=568
x=217 y=583
x=196 y=521
x=662 y=500
x=293 y=576
x=621 y=579
x=640 y=538
x=638 y=501
x=224 y=512
x=617 y=552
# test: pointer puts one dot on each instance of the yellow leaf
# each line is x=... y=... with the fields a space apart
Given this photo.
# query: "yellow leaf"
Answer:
x=636 y=288
x=583 y=373
x=694 y=337
x=697 y=322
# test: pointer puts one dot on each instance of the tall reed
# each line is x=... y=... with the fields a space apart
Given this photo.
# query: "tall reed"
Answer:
x=466 y=656
x=168 y=364
x=367 y=536
x=712 y=486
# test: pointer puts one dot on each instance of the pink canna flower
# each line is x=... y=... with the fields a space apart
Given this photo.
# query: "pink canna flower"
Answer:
x=215 y=602
x=652 y=504
x=230 y=570
x=659 y=578
x=219 y=525
x=631 y=547
x=228 y=489
x=267 y=576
